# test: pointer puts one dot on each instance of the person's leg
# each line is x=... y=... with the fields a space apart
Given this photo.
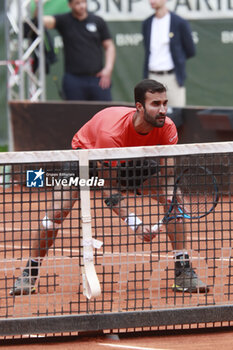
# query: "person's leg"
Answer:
x=96 y=93
x=186 y=280
x=64 y=199
x=176 y=94
x=75 y=88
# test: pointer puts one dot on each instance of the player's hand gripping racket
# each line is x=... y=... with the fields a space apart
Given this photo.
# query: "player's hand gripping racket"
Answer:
x=195 y=196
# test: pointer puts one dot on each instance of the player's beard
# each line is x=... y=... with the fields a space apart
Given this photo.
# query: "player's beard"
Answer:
x=154 y=121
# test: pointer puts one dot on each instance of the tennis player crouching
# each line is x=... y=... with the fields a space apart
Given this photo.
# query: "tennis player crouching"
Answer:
x=145 y=125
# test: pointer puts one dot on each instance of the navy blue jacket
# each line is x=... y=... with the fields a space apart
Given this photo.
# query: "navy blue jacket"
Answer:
x=181 y=44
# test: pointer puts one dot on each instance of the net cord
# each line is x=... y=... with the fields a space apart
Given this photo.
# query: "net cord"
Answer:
x=116 y=153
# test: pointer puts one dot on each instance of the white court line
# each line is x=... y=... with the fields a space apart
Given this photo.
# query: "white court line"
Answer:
x=109 y=254
x=106 y=254
x=128 y=347
x=25 y=248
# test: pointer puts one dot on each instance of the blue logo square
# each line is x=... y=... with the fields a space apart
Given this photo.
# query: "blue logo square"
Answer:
x=35 y=178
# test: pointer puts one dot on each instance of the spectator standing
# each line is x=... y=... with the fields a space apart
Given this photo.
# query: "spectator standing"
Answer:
x=87 y=74
x=168 y=44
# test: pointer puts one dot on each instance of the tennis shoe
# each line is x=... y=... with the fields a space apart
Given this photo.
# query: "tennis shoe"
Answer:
x=186 y=279
x=24 y=285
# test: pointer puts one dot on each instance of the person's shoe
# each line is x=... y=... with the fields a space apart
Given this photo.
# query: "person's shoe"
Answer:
x=186 y=279
x=24 y=285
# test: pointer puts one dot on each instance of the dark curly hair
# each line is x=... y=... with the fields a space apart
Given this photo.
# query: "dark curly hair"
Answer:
x=147 y=85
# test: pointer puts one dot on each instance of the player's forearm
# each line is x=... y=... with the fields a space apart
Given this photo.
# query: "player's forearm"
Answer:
x=116 y=202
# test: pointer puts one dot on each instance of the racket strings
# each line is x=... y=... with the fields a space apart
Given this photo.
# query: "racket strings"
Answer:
x=196 y=192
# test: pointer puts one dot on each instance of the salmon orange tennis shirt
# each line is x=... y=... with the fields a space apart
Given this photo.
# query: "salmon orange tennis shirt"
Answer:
x=113 y=127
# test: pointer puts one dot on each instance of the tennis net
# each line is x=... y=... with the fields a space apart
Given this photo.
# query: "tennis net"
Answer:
x=98 y=265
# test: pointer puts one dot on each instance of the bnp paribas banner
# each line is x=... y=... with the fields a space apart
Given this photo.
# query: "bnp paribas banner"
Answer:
x=131 y=10
x=209 y=73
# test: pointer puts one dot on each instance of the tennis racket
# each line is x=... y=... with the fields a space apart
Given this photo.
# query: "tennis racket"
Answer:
x=195 y=196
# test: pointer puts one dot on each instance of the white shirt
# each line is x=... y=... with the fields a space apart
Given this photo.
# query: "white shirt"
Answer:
x=160 y=56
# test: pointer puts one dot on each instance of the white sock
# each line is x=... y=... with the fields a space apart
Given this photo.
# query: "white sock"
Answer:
x=179 y=253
